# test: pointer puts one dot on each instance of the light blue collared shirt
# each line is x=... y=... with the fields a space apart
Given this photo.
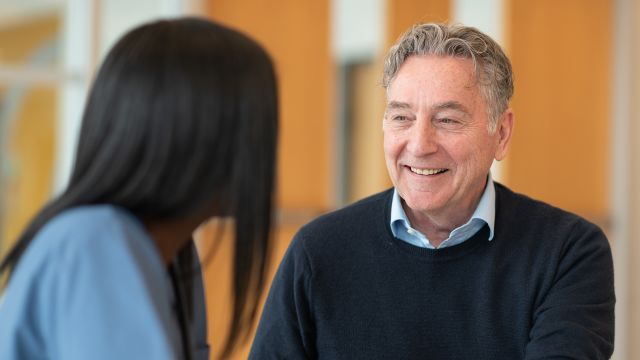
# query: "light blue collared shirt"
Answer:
x=484 y=214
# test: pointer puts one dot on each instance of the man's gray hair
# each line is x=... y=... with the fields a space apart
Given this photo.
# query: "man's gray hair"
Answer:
x=492 y=67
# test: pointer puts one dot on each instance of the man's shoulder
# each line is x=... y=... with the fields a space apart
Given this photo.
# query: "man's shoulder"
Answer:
x=514 y=209
x=361 y=212
x=349 y=227
x=515 y=203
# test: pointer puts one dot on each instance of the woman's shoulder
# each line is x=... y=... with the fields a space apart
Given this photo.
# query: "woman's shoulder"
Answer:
x=89 y=219
x=98 y=227
x=90 y=272
x=90 y=236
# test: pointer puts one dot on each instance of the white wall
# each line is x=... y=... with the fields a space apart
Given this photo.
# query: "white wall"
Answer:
x=357 y=29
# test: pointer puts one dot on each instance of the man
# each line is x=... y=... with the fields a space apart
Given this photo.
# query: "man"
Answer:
x=447 y=264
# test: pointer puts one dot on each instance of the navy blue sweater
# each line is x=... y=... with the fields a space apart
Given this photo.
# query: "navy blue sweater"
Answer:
x=347 y=289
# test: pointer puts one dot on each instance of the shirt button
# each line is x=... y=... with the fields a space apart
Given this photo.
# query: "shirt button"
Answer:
x=411 y=232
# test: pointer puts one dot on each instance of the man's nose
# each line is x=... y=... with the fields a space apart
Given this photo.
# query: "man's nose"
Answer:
x=423 y=138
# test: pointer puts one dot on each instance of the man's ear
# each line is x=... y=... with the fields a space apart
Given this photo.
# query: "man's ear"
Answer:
x=504 y=131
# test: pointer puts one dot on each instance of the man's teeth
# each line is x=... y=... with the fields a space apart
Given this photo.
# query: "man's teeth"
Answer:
x=427 y=171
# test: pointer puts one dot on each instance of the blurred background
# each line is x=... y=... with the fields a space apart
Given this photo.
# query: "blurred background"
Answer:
x=577 y=106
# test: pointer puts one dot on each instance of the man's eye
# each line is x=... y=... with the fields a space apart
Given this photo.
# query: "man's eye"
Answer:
x=448 y=122
x=400 y=118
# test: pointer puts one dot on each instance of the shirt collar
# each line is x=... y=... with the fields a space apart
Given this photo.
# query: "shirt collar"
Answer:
x=485 y=211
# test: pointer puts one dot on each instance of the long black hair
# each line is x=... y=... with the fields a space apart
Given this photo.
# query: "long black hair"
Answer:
x=182 y=115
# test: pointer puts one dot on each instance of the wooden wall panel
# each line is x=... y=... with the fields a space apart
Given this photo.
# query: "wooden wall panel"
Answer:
x=561 y=54
x=367 y=169
x=30 y=141
x=401 y=14
x=31 y=166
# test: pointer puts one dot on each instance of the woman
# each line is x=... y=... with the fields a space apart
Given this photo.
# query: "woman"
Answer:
x=180 y=125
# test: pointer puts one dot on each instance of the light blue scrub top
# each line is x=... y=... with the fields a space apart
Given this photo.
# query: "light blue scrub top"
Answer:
x=92 y=285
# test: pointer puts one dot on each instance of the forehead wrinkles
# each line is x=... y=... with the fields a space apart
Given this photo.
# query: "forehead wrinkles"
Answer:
x=440 y=82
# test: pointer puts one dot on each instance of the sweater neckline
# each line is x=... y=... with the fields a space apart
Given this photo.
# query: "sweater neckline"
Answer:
x=445 y=254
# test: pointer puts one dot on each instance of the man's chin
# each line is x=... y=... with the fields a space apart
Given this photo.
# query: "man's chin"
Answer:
x=424 y=204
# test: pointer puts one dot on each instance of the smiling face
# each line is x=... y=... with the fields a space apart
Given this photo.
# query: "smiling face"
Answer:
x=437 y=145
